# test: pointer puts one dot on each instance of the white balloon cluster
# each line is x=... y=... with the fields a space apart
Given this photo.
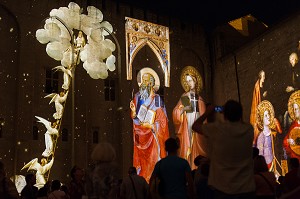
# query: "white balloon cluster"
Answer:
x=96 y=54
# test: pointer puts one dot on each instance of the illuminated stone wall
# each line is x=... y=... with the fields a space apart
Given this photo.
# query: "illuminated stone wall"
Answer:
x=25 y=95
x=269 y=52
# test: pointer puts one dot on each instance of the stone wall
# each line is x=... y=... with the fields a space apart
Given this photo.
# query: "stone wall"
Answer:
x=236 y=73
x=28 y=61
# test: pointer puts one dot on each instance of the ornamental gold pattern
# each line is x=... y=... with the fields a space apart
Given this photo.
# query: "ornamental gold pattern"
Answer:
x=190 y=70
x=294 y=99
x=140 y=33
x=263 y=106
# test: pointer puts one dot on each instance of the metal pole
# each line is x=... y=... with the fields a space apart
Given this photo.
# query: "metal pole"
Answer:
x=73 y=119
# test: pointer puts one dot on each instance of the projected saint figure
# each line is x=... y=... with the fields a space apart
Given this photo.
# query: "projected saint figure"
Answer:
x=291 y=141
x=266 y=123
x=80 y=41
x=189 y=108
x=293 y=58
x=256 y=99
x=150 y=125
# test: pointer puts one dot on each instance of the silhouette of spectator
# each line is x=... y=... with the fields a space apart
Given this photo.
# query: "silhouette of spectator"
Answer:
x=134 y=186
x=279 y=187
x=255 y=152
x=197 y=162
x=65 y=189
x=174 y=173
x=230 y=152
x=101 y=176
x=292 y=178
x=56 y=193
x=203 y=191
x=7 y=187
x=294 y=194
x=43 y=192
x=76 y=186
x=265 y=181
x=29 y=191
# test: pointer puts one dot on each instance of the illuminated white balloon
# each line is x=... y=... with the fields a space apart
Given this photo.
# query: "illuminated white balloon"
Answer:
x=110 y=62
x=106 y=28
x=95 y=13
x=54 y=50
x=42 y=36
x=58 y=33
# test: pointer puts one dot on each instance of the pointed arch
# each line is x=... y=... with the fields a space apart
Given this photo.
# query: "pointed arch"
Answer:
x=139 y=34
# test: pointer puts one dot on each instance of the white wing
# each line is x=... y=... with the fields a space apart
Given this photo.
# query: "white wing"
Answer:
x=31 y=165
x=53 y=96
x=63 y=69
x=45 y=122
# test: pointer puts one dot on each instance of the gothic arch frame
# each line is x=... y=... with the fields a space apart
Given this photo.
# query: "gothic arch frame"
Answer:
x=141 y=33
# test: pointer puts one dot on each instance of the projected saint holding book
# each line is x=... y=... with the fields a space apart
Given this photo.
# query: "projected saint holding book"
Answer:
x=150 y=125
x=188 y=109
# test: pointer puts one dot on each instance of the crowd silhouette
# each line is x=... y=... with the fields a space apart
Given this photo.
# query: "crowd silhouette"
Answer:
x=233 y=169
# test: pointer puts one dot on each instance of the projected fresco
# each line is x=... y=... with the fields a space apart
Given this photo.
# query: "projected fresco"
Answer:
x=189 y=108
x=278 y=139
x=150 y=124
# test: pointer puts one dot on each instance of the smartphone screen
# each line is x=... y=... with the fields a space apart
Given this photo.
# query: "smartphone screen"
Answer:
x=219 y=109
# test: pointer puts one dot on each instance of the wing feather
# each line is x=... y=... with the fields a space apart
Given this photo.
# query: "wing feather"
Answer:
x=29 y=164
x=44 y=121
x=53 y=96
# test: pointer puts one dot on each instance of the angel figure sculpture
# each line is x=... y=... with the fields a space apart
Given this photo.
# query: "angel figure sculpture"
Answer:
x=67 y=75
x=40 y=168
x=80 y=41
x=51 y=130
x=58 y=100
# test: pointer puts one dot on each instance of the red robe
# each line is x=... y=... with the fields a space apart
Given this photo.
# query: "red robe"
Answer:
x=292 y=151
x=149 y=144
x=188 y=150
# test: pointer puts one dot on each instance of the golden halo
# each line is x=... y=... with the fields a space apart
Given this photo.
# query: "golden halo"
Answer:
x=150 y=71
x=263 y=106
x=190 y=70
x=294 y=98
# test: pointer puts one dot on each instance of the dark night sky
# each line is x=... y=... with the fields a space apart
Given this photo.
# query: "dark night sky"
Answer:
x=211 y=13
